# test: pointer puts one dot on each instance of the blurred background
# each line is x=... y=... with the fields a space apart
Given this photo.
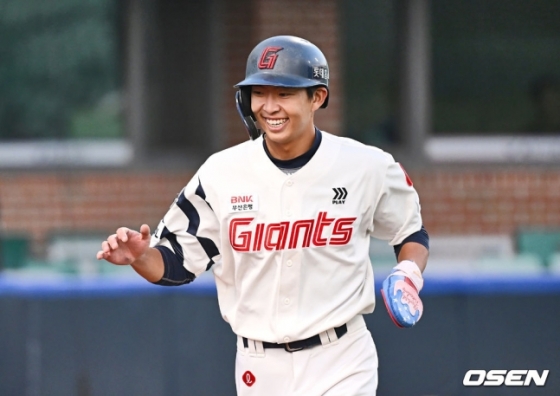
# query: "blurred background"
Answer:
x=107 y=108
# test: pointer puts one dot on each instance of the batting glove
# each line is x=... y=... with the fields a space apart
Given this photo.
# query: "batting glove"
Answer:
x=400 y=294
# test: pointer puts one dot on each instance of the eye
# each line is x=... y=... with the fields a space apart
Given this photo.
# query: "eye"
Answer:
x=285 y=94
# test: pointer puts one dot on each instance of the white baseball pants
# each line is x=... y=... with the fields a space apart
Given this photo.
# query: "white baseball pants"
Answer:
x=344 y=367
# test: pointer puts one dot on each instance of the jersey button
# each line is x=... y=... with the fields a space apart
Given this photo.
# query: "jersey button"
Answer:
x=288 y=213
x=286 y=301
x=289 y=183
x=286 y=339
x=289 y=263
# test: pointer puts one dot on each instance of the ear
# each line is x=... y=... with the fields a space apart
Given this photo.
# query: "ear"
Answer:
x=319 y=97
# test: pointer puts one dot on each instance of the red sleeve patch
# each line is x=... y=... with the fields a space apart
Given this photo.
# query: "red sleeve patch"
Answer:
x=408 y=179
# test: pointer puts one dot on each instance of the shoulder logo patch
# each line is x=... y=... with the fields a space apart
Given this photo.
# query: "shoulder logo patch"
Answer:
x=340 y=195
x=408 y=179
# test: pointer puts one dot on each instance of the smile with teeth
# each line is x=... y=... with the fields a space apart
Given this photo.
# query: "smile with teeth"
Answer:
x=276 y=122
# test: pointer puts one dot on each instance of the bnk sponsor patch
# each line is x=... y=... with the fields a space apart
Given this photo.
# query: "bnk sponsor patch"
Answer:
x=243 y=203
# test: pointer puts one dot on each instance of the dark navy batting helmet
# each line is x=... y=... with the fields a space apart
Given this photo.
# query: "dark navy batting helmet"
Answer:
x=281 y=61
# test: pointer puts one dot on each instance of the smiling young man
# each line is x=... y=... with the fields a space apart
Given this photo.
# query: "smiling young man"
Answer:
x=286 y=114
x=284 y=221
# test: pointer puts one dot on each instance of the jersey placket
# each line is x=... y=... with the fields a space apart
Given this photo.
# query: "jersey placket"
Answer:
x=290 y=261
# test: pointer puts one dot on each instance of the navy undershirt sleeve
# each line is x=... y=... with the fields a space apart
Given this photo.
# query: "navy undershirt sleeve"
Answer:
x=175 y=274
x=420 y=237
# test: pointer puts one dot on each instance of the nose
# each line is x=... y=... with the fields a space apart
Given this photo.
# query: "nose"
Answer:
x=270 y=104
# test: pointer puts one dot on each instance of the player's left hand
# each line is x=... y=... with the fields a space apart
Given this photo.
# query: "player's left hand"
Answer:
x=400 y=294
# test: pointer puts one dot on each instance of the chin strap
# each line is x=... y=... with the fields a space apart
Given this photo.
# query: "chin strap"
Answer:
x=246 y=116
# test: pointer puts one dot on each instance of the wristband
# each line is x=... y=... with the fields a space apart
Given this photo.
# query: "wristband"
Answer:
x=411 y=270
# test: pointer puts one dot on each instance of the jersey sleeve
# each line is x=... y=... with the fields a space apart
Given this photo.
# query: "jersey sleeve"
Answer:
x=190 y=229
x=397 y=214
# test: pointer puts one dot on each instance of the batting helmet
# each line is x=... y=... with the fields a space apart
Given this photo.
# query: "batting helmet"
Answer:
x=281 y=61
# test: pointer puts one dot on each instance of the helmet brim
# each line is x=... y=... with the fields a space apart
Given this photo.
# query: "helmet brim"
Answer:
x=283 y=80
x=278 y=80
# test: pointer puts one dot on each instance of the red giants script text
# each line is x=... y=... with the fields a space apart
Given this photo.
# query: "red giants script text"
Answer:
x=247 y=237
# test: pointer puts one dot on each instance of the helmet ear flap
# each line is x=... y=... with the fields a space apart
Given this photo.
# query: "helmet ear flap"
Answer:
x=243 y=103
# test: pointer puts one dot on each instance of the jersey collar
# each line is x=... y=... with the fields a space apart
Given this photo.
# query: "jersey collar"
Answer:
x=298 y=162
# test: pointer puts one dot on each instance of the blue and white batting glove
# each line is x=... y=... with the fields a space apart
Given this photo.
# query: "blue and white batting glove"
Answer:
x=400 y=294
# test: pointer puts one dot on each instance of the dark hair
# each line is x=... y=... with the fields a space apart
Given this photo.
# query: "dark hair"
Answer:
x=311 y=91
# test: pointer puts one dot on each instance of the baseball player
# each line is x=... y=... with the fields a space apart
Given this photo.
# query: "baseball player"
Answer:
x=284 y=221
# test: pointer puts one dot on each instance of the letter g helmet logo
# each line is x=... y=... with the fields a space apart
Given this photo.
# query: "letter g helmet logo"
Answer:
x=268 y=57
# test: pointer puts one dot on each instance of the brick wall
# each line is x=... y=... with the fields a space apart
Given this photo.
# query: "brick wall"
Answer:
x=489 y=201
x=453 y=202
x=41 y=204
x=467 y=201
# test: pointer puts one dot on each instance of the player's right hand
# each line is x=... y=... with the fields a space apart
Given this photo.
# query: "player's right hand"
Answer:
x=125 y=246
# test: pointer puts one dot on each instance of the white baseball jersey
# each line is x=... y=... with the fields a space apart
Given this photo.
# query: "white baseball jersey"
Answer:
x=290 y=253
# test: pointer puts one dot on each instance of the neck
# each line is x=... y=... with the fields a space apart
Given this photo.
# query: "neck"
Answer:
x=290 y=150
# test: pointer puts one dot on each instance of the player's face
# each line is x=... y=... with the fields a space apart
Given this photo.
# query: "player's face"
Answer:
x=286 y=116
